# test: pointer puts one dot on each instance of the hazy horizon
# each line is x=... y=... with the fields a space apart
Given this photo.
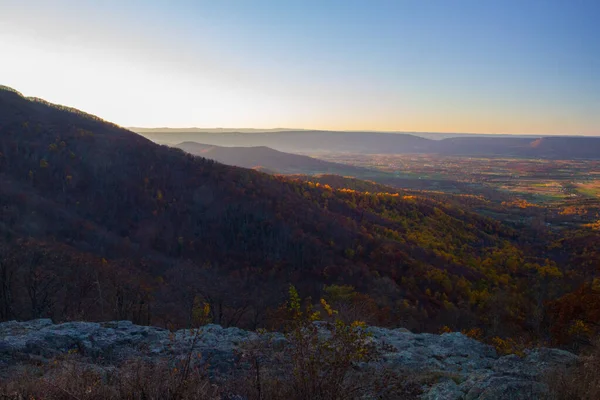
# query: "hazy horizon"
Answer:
x=166 y=129
x=510 y=67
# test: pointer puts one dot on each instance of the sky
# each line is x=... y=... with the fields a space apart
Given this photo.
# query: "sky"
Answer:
x=480 y=66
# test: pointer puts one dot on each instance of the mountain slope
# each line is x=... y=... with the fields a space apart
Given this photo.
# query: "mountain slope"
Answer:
x=104 y=224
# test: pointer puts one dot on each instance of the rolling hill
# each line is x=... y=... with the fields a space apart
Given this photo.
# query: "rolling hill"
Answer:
x=265 y=158
x=97 y=222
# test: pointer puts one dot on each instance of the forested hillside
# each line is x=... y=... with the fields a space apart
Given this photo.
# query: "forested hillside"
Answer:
x=99 y=223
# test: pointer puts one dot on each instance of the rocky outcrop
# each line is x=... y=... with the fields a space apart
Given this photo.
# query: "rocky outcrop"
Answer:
x=116 y=341
x=470 y=369
x=464 y=368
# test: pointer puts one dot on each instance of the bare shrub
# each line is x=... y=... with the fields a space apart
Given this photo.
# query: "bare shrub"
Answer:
x=581 y=382
x=73 y=377
x=324 y=358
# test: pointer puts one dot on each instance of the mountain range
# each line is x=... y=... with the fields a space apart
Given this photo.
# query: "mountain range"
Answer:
x=306 y=141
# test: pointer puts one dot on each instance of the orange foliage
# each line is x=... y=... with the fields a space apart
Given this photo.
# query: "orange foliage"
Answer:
x=572 y=210
x=520 y=203
x=508 y=346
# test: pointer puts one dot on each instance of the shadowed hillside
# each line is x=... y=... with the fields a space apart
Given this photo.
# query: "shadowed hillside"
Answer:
x=269 y=159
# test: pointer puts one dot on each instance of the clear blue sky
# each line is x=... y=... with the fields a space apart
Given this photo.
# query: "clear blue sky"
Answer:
x=497 y=66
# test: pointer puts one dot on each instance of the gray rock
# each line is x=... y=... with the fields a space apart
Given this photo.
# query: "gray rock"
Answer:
x=445 y=390
x=506 y=388
x=477 y=372
x=551 y=357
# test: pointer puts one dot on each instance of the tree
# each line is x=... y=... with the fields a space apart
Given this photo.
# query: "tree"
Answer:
x=7 y=278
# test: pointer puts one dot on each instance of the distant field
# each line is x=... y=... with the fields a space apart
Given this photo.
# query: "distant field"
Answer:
x=541 y=191
x=589 y=189
x=536 y=180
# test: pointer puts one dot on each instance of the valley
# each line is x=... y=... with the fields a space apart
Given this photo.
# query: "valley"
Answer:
x=536 y=180
x=99 y=223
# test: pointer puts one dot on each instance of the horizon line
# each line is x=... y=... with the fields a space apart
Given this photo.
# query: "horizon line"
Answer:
x=260 y=130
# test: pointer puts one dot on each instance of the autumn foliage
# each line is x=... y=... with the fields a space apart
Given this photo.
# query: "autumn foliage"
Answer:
x=98 y=223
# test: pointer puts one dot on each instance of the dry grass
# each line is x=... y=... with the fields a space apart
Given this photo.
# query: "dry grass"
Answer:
x=368 y=383
x=590 y=189
x=72 y=379
x=581 y=382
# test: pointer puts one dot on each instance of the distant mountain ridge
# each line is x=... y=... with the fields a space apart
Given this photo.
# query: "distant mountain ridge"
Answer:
x=207 y=130
x=545 y=147
x=298 y=141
